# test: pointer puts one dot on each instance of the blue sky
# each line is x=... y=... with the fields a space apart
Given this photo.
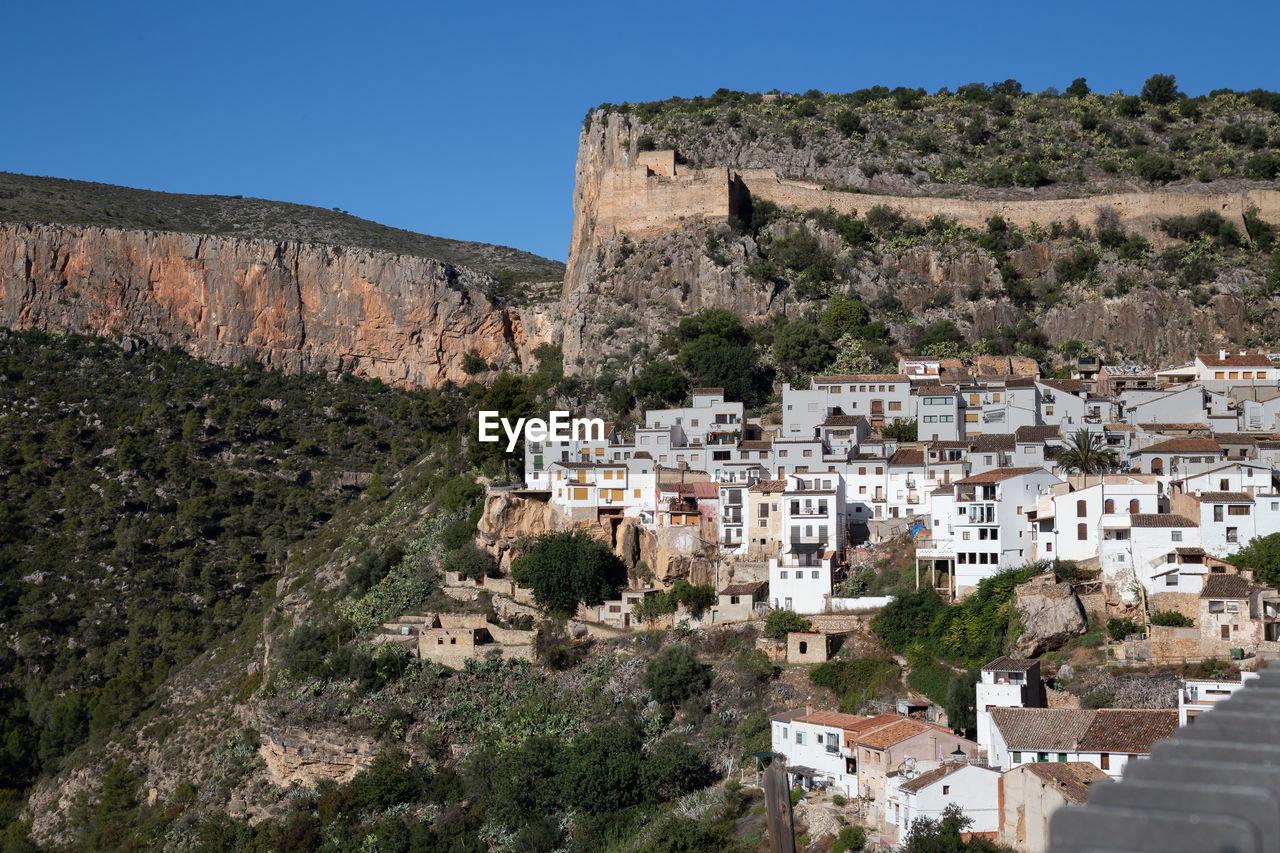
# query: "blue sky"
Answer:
x=462 y=120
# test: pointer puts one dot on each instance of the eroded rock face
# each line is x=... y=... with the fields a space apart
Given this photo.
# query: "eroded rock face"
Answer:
x=292 y=755
x=1051 y=615
x=508 y=517
x=289 y=305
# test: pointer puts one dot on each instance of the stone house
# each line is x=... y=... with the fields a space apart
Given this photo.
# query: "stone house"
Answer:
x=1236 y=613
x=740 y=602
x=1031 y=793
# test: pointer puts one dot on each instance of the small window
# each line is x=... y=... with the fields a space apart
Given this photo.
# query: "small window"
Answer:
x=1081 y=509
x=1105 y=760
x=1017 y=757
x=946 y=789
x=1062 y=758
x=1042 y=757
x=813 y=575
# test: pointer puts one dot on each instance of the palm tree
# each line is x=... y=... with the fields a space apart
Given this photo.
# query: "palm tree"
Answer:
x=1087 y=453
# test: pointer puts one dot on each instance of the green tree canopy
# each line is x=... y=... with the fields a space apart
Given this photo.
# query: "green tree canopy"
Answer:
x=564 y=569
x=1263 y=556
x=676 y=674
x=1086 y=453
x=779 y=623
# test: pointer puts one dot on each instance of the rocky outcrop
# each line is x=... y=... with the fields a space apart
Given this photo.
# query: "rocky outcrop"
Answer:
x=1051 y=615
x=293 y=755
x=509 y=517
x=289 y=305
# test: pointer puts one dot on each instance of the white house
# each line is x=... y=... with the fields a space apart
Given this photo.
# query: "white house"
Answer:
x=982 y=525
x=813 y=742
x=1197 y=695
x=1234 y=367
x=881 y=398
x=975 y=789
x=1106 y=738
x=1006 y=683
x=813 y=535
x=1069 y=519
x=1143 y=547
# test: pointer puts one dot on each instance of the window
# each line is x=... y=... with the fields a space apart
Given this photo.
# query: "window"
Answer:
x=1171 y=579
x=1062 y=758
x=1048 y=410
x=946 y=789
x=1017 y=758
x=814 y=575
x=1109 y=506
x=1175 y=535
x=1105 y=760
x=1081 y=509
x=784 y=733
x=1233 y=534
x=1238 y=509
x=1217 y=606
x=1042 y=757
x=895 y=405
x=800 y=738
x=971 y=417
x=783 y=574
x=1082 y=531
x=1226 y=632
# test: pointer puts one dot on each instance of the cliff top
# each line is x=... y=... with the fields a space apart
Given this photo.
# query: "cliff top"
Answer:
x=26 y=198
x=980 y=141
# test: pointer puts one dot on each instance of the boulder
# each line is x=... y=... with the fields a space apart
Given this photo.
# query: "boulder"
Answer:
x=1051 y=615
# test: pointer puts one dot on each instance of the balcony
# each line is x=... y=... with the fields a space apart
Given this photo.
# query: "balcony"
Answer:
x=814 y=539
x=810 y=511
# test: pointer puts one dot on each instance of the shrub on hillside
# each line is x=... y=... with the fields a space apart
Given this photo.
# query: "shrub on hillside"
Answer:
x=779 y=623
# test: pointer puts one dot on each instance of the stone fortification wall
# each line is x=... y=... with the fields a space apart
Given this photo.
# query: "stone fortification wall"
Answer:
x=1140 y=212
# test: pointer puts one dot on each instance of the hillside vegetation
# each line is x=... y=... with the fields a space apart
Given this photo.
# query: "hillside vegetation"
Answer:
x=25 y=198
x=991 y=140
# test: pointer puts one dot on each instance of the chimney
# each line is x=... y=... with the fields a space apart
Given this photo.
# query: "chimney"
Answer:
x=1222 y=355
x=808 y=709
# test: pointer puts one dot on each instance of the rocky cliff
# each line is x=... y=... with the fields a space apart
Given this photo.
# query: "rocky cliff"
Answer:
x=290 y=305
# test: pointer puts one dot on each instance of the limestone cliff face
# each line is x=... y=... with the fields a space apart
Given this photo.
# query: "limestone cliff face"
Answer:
x=292 y=306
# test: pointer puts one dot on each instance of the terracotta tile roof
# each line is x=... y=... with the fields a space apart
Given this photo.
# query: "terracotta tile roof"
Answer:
x=1122 y=730
x=831 y=718
x=948 y=445
x=885 y=737
x=1066 y=386
x=1189 y=552
x=643 y=454
x=1234 y=359
x=744 y=588
x=990 y=442
x=1071 y=779
x=937 y=774
x=1008 y=664
x=1042 y=729
x=997 y=475
x=907 y=456
x=1185 y=427
x=768 y=486
x=1225 y=497
x=1226 y=586
x=844 y=420
x=788 y=716
x=756 y=444
x=860 y=377
x=1160 y=519
x=1037 y=433
x=706 y=491
x=1183 y=445
x=707 y=391
x=869 y=723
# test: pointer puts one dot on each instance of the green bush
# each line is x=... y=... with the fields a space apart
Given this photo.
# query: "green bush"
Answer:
x=779 y=623
x=676 y=674
x=1119 y=628
x=1171 y=619
x=850 y=838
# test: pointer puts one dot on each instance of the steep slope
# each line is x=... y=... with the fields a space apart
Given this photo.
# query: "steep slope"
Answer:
x=289 y=305
x=26 y=198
